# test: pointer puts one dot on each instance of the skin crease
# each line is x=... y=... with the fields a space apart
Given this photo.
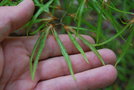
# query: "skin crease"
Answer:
x=52 y=72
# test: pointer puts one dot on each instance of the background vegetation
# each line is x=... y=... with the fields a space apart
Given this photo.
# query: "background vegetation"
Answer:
x=109 y=22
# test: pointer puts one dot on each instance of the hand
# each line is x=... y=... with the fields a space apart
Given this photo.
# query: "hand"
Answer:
x=52 y=72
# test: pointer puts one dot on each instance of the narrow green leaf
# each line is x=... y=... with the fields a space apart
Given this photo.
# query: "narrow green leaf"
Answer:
x=34 y=19
x=93 y=5
x=125 y=47
x=112 y=38
x=109 y=16
x=47 y=5
x=64 y=53
x=79 y=13
x=44 y=8
x=121 y=11
x=75 y=42
x=93 y=49
x=36 y=46
x=37 y=2
x=93 y=28
x=40 y=49
x=36 y=31
x=99 y=27
x=82 y=29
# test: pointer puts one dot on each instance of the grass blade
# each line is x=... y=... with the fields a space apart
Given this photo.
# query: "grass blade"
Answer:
x=64 y=53
x=75 y=42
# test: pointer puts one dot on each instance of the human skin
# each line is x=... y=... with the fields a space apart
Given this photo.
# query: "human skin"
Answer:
x=52 y=72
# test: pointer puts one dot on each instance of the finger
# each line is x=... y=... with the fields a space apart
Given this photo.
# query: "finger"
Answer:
x=13 y=17
x=57 y=67
x=1 y=61
x=52 y=48
x=91 y=79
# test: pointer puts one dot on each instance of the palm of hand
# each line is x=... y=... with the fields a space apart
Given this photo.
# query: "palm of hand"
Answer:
x=16 y=74
x=16 y=66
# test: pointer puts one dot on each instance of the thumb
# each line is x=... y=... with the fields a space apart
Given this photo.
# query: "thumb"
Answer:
x=13 y=17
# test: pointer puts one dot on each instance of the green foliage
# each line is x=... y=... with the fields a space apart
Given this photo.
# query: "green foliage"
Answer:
x=80 y=12
x=39 y=46
x=75 y=42
x=109 y=22
x=64 y=53
x=126 y=46
x=9 y=2
x=92 y=48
